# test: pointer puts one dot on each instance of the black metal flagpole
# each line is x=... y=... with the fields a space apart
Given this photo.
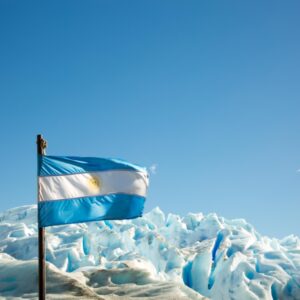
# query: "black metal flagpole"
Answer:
x=41 y=146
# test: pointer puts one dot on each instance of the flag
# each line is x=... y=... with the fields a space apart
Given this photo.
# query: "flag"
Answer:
x=83 y=189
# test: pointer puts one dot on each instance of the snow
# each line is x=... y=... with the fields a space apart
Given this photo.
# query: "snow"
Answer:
x=153 y=257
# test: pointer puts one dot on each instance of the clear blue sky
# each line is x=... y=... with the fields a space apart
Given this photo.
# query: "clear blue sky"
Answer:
x=206 y=90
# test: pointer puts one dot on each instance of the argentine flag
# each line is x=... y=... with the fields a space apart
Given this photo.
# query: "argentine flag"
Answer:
x=83 y=189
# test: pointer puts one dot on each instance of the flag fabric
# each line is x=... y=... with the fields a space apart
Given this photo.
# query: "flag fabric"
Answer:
x=83 y=189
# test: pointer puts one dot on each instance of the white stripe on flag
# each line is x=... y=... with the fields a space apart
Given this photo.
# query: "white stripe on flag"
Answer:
x=92 y=184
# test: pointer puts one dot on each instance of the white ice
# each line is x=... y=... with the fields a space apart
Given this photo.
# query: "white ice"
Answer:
x=155 y=257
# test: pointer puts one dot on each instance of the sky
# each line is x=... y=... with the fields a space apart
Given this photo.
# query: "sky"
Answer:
x=206 y=93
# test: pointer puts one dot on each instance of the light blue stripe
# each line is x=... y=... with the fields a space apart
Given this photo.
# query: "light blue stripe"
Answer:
x=62 y=165
x=108 y=207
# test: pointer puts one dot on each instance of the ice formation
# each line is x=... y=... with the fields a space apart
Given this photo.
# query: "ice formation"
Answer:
x=155 y=257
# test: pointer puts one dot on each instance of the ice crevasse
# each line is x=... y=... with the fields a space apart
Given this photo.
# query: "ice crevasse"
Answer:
x=157 y=256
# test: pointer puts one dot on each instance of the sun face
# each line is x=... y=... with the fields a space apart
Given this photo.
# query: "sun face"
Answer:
x=94 y=184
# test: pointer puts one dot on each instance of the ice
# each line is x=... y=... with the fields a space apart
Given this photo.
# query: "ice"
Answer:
x=157 y=256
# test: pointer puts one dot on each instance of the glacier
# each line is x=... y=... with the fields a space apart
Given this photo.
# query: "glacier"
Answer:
x=157 y=256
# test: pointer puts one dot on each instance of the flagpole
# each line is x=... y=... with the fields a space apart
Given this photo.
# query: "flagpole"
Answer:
x=41 y=146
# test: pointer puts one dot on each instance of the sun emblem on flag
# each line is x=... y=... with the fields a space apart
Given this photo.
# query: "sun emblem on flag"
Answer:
x=94 y=183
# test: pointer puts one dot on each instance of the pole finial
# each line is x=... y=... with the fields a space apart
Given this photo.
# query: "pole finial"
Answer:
x=41 y=145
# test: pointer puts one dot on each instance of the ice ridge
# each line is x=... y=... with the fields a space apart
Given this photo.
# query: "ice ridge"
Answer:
x=207 y=254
